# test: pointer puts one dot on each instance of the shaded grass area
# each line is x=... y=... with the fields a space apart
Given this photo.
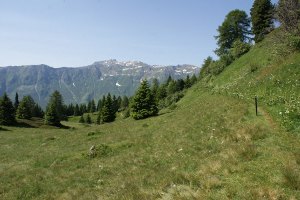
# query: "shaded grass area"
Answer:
x=208 y=147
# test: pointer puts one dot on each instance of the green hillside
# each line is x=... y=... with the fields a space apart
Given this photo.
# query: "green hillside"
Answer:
x=211 y=145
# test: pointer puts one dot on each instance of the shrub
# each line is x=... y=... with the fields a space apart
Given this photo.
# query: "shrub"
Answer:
x=239 y=48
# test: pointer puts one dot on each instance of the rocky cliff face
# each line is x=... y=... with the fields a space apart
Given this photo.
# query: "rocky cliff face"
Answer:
x=81 y=84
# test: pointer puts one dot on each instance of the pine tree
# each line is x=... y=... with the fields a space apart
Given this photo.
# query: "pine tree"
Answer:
x=99 y=118
x=180 y=85
x=7 y=111
x=187 y=83
x=16 y=104
x=76 y=110
x=26 y=108
x=262 y=18
x=99 y=105
x=54 y=110
x=88 y=119
x=143 y=104
x=81 y=120
x=52 y=117
x=288 y=14
x=107 y=112
x=93 y=106
x=236 y=26
x=125 y=102
x=171 y=89
x=154 y=87
x=37 y=111
x=193 y=79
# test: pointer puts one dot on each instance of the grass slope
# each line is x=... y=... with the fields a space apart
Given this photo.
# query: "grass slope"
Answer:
x=211 y=146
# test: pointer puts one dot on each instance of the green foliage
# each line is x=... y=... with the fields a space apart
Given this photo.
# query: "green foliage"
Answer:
x=81 y=120
x=54 y=110
x=205 y=70
x=262 y=18
x=88 y=119
x=239 y=48
x=294 y=42
x=108 y=113
x=99 y=118
x=52 y=116
x=187 y=83
x=16 y=104
x=144 y=103
x=26 y=108
x=236 y=26
x=288 y=14
x=7 y=111
x=125 y=102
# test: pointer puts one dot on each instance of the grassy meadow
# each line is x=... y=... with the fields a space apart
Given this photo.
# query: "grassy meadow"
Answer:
x=211 y=145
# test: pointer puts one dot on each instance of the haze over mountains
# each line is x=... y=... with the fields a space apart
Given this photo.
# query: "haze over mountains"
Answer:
x=81 y=84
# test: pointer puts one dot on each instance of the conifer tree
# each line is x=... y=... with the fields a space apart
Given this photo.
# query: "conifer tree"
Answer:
x=37 y=111
x=76 y=110
x=193 y=79
x=81 y=119
x=26 y=108
x=125 y=102
x=187 y=83
x=179 y=84
x=88 y=119
x=154 y=87
x=99 y=105
x=54 y=110
x=93 y=106
x=171 y=89
x=107 y=112
x=236 y=26
x=288 y=14
x=98 y=118
x=7 y=111
x=262 y=18
x=144 y=104
x=16 y=104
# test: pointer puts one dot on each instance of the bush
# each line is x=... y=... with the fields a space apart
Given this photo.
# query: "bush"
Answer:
x=294 y=42
x=239 y=48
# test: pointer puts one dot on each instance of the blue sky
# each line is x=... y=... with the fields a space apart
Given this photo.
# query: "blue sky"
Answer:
x=64 y=33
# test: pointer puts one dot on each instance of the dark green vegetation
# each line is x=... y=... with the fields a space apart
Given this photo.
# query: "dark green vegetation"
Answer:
x=208 y=145
x=144 y=103
x=262 y=14
x=82 y=84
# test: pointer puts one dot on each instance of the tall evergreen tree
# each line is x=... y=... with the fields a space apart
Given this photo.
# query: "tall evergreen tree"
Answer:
x=144 y=104
x=7 y=111
x=236 y=26
x=187 y=83
x=99 y=105
x=81 y=119
x=262 y=18
x=88 y=119
x=76 y=110
x=125 y=102
x=26 y=108
x=54 y=110
x=288 y=14
x=107 y=112
x=99 y=118
x=37 y=111
x=16 y=104
x=193 y=79
x=154 y=87
x=93 y=106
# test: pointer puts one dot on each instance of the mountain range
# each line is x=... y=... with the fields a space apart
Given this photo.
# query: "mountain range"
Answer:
x=82 y=84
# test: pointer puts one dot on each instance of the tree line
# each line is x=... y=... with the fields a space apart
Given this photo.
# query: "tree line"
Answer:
x=147 y=101
x=236 y=35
